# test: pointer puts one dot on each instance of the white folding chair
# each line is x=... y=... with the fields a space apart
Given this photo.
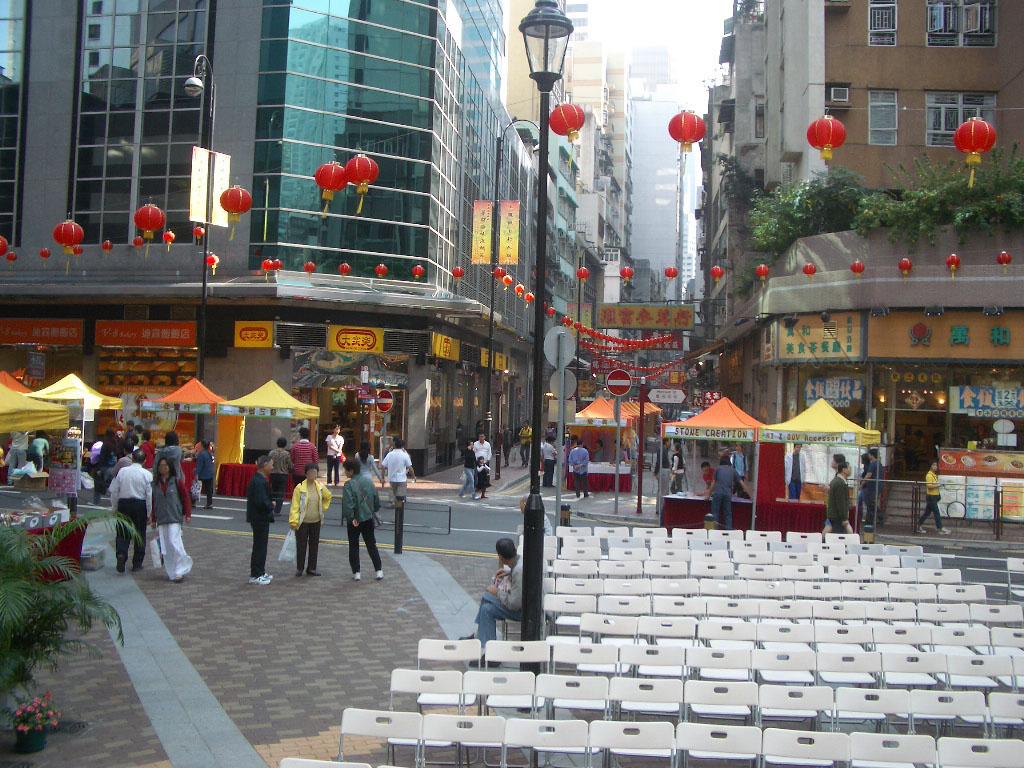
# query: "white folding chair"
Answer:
x=729 y=608
x=604 y=628
x=631 y=543
x=959 y=640
x=579 y=553
x=960 y=593
x=519 y=652
x=671 y=554
x=817 y=590
x=783 y=667
x=912 y=670
x=769 y=590
x=900 y=639
x=576 y=569
x=849 y=668
x=633 y=739
x=759 y=572
x=732 y=743
x=302 y=762
x=795 y=702
x=904 y=549
x=853 y=572
x=790 y=547
x=447 y=651
x=939 y=575
x=944 y=614
x=842 y=638
x=678 y=631
x=574 y=693
x=930 y=562
x=710 y=570
x=675 y=587
x=566 y=585
x=980 y=753
x=1014 y=568
x=723 y=588
x=787 y=611
x=725 y=534
x=718 y=663
x=880 y=561
x=709 y=544
x=720 y=699
x=605 y=532
x=751 y=557
x=626 y=587
x=687 y=534
x=620 y=553
x=943 y=708
x=590 y=658
x=992 y=615
x=545 y=736
x=976 y=672
x=785 y=638
x=577 y=542
x=432 y=688
x=764 y=535
x=835 y=560
x=890 y=613
x=790 y=558
x=398 y=728
x=847 y=611
x=1006 y=641
x=781 y=746
x=1006 y=710
x=650 y=533
x=830 y=548
x=880 y=706
x=867 y=591
x=795 y=536
x=567 y=609
x=654 y=660
x=666 y=569
x=894 y=575
x=646 y=696
x=660 y=542
x=739 y=545
x=501 y=690
x=915 y=593
x=672 y=605
x=727 y=634
x=888 y=750
x=465 y=732
x=865 y=549
x=624 y=605
x=620 y=569
x=842 y=538
x=575 y=530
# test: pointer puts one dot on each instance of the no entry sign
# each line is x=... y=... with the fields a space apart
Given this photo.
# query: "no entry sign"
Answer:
x=619 y=382
x=385 y=400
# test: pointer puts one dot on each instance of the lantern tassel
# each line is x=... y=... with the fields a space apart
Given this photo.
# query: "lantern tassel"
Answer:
x=970 y=181
x=67 y=266
x=323 y=214
x=145 y=254
x=361 y=198
x=168 y=247
x=952 y=275
x=213 y=270
x=232 y=235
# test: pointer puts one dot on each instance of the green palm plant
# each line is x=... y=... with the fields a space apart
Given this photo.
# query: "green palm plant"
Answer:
x=46 y=605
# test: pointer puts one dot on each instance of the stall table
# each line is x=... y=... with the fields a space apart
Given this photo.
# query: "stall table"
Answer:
x=600 y=476
x=797 y=516
x=688 y=511
x=233 y=480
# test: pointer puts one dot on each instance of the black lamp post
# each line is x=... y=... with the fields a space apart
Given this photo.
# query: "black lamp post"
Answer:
x=546 y=32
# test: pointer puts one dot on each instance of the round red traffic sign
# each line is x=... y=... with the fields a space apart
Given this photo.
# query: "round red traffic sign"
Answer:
x=619 y=382
x=385 y=400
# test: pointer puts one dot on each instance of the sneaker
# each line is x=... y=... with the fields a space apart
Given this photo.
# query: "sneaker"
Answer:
x=356 y=576
x=261 y=580
x=380 y=575
x=921 y=530
x=944 y=532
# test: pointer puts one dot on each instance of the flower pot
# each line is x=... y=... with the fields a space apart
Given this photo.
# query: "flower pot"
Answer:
x=29 y=741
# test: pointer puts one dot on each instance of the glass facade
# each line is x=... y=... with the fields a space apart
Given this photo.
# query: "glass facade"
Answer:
x=12 y=66
x=135 y=126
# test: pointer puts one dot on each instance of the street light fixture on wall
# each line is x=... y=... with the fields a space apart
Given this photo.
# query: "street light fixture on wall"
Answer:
x=546 y=32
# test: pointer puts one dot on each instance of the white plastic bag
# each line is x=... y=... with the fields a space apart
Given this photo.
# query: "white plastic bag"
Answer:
x=288 y=548
x=155 y=552
x=88 y=483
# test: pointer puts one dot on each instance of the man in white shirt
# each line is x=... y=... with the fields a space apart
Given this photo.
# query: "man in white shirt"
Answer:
x=482 y=448
x=795 y=468
x=131 y=494
x=335 y=447
x=398 y=468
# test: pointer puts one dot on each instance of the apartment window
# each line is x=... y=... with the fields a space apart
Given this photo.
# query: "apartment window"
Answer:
x=759 y=121
x=882 y=22
x=946 y=111
x=882 y=118
x=961 y=23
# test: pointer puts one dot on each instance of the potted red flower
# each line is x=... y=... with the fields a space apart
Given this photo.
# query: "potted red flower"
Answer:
x=31 y=720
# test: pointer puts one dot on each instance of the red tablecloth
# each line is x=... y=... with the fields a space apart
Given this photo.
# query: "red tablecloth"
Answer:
x=799 y=517
x=70 y=546
x=188 y=469
x=685 y=512
x=233 y=480
x=599 y=483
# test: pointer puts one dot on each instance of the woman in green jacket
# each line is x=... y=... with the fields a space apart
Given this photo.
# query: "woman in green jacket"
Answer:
x=359 y=504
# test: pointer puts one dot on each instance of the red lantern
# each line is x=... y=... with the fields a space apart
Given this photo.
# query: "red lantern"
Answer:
x=361 y=171
x=198 y=232
x=671 y=273
x=974 y=138
x=567 y=321
x=380 y=270
x=583 y=273
x=107 y=246
x=498 y=273
x=626 y=273
x=149 y=219
x=857 y=268
x=169 y=237
x=953 y=262
x=137 y=241
x=520 y=289
x=309 y=267
x=905 y=266
x=810 y=270
x=576 y=326
x=717 y=273
x=551 y=311
x=213 y=261
x=506 y=281
x=529 y=297
x=826 y=134
x=344 y=269
x=267 y=266
x=686 y=128
x=77 y=250
x=236 y=201
x=44 y=254
x=278 y=264
x=762 y=272
x=330 y=177
x=1004 y=259
x=68 y=234
x=3 y=245
x=567 y=120
x=11 y=257
x=458 y=273
x=418 y=272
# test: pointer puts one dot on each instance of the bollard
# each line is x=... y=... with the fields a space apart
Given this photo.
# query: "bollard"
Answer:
x=710 y=523
x=867 y=533
x=399 y=523
x=564 y=516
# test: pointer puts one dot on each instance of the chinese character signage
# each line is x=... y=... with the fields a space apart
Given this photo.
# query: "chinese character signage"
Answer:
x=347 y=338
x=145 y=333
x=254 y=334
x=482 y=211
x=987 y=402
x=674 y=341
x=812 y=339
x=17 y=331
x=500 y=359
x=952 y=336
x=840 y=393
x=646 y=316
x=445 y=347
x=508 y=246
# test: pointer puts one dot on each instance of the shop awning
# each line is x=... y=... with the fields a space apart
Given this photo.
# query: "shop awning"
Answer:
x=722 y=421
x=600 y=413
x=20 y=413
x=269 y=401
x=13 y=384
x=72 y=389
x=190 y=397
x=821 y=423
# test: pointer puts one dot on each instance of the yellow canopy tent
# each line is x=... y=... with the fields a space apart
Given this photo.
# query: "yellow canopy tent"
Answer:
x=268 y=402
x=821 y=423
x=72 y=389
x=20 y=413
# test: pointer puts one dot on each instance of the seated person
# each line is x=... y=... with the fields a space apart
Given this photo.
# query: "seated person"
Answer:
x=503 y=599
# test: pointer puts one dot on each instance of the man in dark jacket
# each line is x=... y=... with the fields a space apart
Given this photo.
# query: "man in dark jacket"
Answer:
x=259 y=513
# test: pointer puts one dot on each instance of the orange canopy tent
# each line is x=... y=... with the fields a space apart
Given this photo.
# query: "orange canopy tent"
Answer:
x=601 y=412
x=13 y=384
x=194 y=397
x=722 y=421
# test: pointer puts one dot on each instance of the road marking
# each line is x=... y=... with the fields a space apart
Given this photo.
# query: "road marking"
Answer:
x=477 y=530
x=213 y=517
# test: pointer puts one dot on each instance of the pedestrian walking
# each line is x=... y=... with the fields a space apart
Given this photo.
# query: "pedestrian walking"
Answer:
x=303 y=452
x=468 y=470
x=171 y=451
x=837 y=504
x=725 y=479
x=579 y=465
x=359 y=506
x=398 y=468
x=204 y=470
x=259 y=514
x=335 y=455
x=280 y=468
x=171 y=507
x=131 y=495
x=525 y=443
x=547 y=452
x=932 y=496
x=368 y=464
x=483 y=478
x=310 y=501
x=148 y=448
x=507 y=441
x=482 y=448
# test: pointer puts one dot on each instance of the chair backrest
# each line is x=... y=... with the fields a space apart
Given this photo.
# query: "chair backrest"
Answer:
x=980 y=753
x=806 y=745
x=1009 y=613
x=454 y=651
x=979 y=665
x=575 y=530
x=672 y=554
x=650 y=533
x=640 y=736
x=925 y=703
x=798 y=547
x=865 y=663
x=903 y=634
x=806 y=697
x=604 y=625
x=904 y=549
x=628 y=587
x=574 y=568
x=918 y=593
x=498 y=683
x=892 y=748
x=672 y=605
x=666 y=569
x=771 y=590
x=625 y=542
x=661 y=542
x=849 y=572
x=960 y=637
x=677 y=627
x=689 y=533
x=302 y=762
x=879 y=611
x=821 y=548
x=1006 y=705
x=675 y=587
x=791 y=558
x=740 y=740
x=546 y=734
x=567 y=585
x=933 y=562
x=947 y=613
x=880 y=561
x=854 y=634
x=723 y=587
x=652 y=655
x=584 y=653
x=647 y=690
x=865 y=549
x=577 y=687
x=939 y=575
x=725 y=534
x=781 y=661
x=841 y=610
x=754 y=557
x=713 y=692
x=620 y=569
x=924 y=663
x=893 y=574
x=959 y=593
x=574 y=605
x=759 y=572
x=426 y=681
x=842 y=538
x=748 y=545
x=708 y=570
x=707 y=555
x=1015 y=565
x=829 y=559
x=699 y=545
x=881 y=701
x=380 y=724
x=1007 y=637
x=580 y=553
x=519 y=651
x=579 y=541
x=605 y=531
x=817 y=590
x=736 y=631
x=790 y=610
x=621 y=553
x=728 y=608
x=460 y=729
x=785 y=633
x=872 y=590
x=624 y=605
x=795 y=536
x=700 y=657
x=764 y=535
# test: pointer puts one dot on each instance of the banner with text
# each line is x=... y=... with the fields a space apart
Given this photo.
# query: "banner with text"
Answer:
x=508 y=252
x=645 y=316
x=482 y=211
x=201 y=162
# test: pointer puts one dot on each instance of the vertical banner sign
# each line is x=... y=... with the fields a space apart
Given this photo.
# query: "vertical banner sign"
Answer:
x=508 y=252
x=197 y=187
x=482 y=211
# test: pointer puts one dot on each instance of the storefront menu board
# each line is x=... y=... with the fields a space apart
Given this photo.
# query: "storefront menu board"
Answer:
x=981 y=463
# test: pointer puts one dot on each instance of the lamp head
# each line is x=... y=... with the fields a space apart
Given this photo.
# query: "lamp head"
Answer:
x=546 y=31
x=194 y=86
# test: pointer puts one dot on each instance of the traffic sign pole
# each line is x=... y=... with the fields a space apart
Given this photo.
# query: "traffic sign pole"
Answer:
x=642 y=452
x=559 y=458
x=618 y=448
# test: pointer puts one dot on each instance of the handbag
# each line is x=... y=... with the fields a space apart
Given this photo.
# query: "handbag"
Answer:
x=197 y=488
x=376 y=517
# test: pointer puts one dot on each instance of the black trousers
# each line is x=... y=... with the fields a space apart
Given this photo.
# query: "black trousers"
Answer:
x=278 y=487
x=334 y=465
x=364 y=529
x=258 y=561
x=134 y=511
x=208 y=490
x=307 y=537
x=549 y=473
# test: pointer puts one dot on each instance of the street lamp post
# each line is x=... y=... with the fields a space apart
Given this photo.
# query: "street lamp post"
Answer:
x=546 y=33
x=202 y=72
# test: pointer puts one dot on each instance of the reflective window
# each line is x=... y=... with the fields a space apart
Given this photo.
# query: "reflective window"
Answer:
x=12 y=50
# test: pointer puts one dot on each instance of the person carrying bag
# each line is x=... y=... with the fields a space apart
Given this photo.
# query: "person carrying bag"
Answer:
x=359 y=506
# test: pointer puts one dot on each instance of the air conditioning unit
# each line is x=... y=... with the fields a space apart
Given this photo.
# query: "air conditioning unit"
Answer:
x=839 y=93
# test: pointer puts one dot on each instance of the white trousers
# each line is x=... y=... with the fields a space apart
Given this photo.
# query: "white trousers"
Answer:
x=177 y=563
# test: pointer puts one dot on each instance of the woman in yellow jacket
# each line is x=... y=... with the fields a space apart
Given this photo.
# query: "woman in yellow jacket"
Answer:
x=305 y=517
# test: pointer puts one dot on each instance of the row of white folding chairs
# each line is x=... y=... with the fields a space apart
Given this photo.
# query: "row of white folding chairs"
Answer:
x=702 y=534
x=604 y=738
x=1014 y=568
x=738 y=545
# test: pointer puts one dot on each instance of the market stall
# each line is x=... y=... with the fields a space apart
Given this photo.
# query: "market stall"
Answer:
x=12 y=383
x=724 y=422
x=596 y=423
x=267 y=402
x=819 y=425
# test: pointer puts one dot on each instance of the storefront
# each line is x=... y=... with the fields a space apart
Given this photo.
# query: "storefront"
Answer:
x=41 y=351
